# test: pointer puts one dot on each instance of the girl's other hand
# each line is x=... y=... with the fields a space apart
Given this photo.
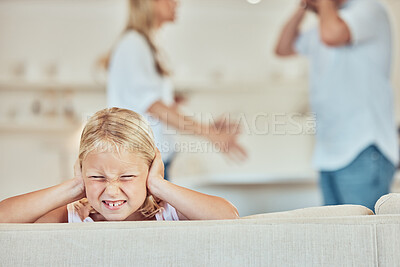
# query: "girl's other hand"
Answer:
x=156 y=174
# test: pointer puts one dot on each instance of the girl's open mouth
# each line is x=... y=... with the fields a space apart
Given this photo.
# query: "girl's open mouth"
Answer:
x=114 y=205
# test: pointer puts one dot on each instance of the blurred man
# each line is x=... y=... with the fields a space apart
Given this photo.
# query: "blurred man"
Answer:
x=350 y=53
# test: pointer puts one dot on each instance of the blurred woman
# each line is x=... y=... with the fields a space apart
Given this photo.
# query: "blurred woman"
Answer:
x=139 y=81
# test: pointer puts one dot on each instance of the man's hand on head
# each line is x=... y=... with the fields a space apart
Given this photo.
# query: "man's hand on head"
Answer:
x=314 y=5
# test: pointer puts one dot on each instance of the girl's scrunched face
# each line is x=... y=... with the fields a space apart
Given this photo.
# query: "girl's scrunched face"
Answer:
x=115 y=183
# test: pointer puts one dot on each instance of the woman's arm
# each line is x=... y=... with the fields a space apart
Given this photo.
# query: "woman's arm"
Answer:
x=290 y=32
x=191 y=204
x=224 y=135
x=45 y=204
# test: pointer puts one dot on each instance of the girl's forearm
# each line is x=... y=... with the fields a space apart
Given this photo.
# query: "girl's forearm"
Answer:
x=194 y=205
x=29 y=207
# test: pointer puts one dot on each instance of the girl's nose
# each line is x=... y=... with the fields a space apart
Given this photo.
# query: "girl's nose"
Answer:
x=112 y=189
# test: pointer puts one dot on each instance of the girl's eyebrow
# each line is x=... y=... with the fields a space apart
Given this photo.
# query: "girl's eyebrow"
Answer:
x=131 y=170
x=93 y=170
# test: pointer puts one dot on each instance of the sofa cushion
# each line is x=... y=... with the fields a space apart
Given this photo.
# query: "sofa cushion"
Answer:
x=325 y=211
x=388 y=204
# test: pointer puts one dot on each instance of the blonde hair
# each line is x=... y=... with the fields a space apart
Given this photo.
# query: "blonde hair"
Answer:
x=141 y=19
x=113 y=129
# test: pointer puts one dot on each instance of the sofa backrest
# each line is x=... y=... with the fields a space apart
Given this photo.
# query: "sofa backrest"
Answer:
x=388 y=204
x=325 y=211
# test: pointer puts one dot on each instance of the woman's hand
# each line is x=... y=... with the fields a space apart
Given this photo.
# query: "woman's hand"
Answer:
x=312 y=5
x=155 y=177
x=78 y=180
x=224 y=135
x=179 y=99
x=303 y=4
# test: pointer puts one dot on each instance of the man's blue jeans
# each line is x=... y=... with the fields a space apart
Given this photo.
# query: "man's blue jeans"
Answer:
x=362 y=182
x=167 y=166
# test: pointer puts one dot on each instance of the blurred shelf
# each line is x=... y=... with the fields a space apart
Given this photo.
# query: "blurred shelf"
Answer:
x=249 y=180
x=242 y=87
x=62 y=127
x=57 y=87
x=242 y=180
x=196 y=87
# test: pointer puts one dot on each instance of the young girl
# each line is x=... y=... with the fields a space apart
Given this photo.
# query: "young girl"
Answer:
x=118 y=177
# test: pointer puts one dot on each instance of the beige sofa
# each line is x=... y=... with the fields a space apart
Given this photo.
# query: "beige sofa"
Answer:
x=323 y=236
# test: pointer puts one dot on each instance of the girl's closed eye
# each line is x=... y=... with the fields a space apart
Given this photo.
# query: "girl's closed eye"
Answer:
x=128 y=177
x=96 y=177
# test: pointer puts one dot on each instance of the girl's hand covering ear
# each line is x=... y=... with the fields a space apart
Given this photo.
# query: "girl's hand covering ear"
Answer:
x=80 y=185
x=156 y=173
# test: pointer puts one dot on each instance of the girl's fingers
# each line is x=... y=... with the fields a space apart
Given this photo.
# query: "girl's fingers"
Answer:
x=157 y=167
x=77 y=169
x=158 y=154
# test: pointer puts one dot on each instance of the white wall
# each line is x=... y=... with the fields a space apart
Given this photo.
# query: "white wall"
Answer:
x=69 y=34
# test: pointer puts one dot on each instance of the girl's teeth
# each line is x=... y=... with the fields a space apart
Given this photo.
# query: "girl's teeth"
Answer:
x=115 y=204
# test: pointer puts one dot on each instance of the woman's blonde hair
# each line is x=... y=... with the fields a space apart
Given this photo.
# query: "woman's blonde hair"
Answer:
x=142 y=19
x=114 y=129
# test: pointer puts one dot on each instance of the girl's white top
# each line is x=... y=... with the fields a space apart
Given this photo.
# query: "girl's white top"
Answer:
x=135 y=84
x=78 y=212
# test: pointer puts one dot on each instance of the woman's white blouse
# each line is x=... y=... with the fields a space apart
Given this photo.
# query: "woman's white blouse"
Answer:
x=135 y=84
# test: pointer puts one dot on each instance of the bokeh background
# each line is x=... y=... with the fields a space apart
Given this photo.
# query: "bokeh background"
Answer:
x=222 y=56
